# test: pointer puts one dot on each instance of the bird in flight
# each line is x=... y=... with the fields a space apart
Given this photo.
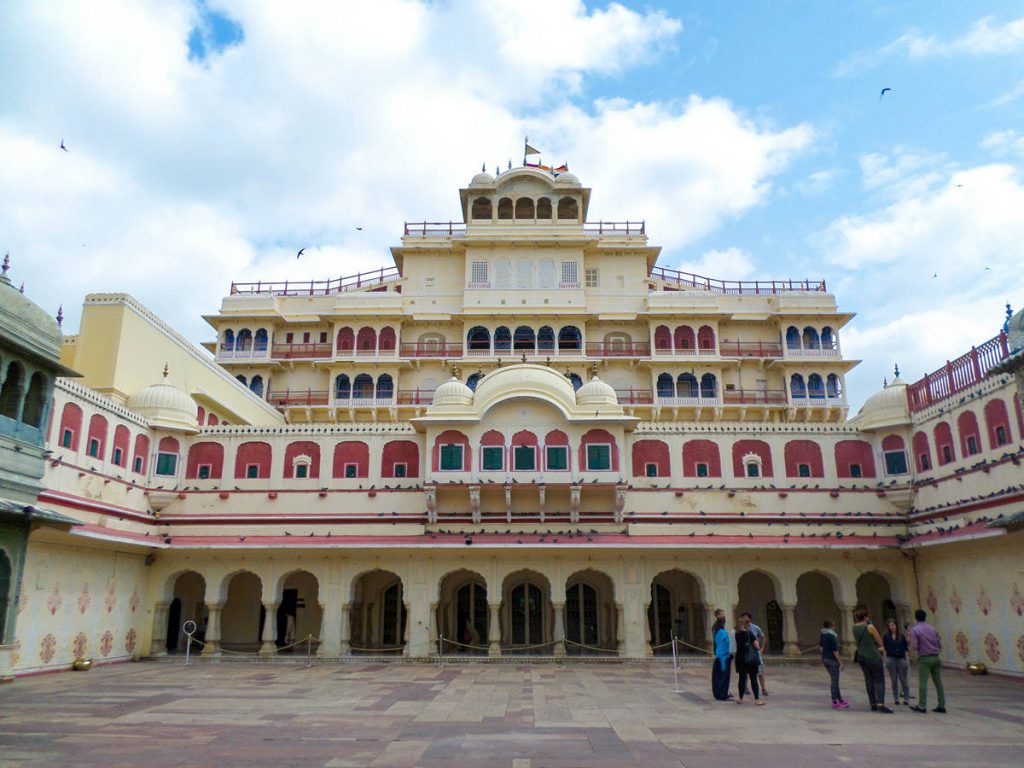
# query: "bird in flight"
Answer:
x=360 y=229
x=936 y=274
x=62 y=145
x=884 y=91
x=301 y=251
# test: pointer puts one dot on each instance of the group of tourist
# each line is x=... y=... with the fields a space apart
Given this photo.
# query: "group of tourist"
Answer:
x=744 y=647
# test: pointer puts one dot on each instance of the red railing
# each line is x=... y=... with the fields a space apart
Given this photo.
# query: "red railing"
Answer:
x=635 y=396
x=319 y=287
x=754 y=396
x=756 y=287
x=286 y=397
x=957 y=375
x=434 y=229
x=300 y=351
x=616 y=227
x=415 y=396
x=431 y=349
x=749 y=349
x=618 y=349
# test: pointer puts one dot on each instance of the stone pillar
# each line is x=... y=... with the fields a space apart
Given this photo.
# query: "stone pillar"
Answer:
x=494 y=630
x=268 y=646
x=559 y=631
x=212 y=646
x=408 y=630
x=709 y=623
x=345 y=627
x=620 y=628
x=330 y=623
x=789 y=632
x=432 y=648
x=846 y=631
x=904 y=614
x=159 y=646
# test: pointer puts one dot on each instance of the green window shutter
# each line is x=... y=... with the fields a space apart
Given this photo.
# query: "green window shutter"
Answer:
x=599 y=458
x=896 y=463
x=166 y=463
x=451 y=457
x=493 y=458
x=525 y=458
x=558 y=457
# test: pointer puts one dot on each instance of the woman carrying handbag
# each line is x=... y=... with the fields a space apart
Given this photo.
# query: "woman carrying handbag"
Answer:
x=748 y=659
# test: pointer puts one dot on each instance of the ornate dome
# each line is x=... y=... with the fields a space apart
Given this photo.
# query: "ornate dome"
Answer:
x=453 y=392
x=166 y=407
x=482 y=179
x=886 y=408
x=28 y=324
x=596 y=392
x=567 y=180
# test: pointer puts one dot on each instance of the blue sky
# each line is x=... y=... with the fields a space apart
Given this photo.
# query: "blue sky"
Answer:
x=209 y=140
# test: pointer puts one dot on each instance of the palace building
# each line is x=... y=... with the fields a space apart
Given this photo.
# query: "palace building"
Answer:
x=526 y=438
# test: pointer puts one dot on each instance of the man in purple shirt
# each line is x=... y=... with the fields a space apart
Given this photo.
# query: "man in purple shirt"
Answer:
x=926 y=641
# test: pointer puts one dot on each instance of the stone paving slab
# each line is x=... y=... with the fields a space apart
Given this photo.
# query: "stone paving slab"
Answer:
x=507 y=716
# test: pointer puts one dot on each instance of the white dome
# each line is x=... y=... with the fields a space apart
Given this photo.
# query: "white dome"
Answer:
x=596 y=392
x=166 y=407
x=886 y=408
x=482 y=179
x=453 y=392
x=567 y=180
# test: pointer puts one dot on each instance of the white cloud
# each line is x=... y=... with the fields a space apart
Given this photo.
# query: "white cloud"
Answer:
x=819 y=182
x=730 y=263
x=1010 y=96
x=183 y=175
x=981 y=38
x=1003 y=143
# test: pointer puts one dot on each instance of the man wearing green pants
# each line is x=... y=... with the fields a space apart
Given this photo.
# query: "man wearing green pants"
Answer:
x=924 y=639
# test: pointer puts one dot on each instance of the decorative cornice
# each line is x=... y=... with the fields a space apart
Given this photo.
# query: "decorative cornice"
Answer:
x=103 y=402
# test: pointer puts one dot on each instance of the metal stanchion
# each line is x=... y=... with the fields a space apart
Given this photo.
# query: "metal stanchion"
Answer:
x=675 y=665
x=189 y=628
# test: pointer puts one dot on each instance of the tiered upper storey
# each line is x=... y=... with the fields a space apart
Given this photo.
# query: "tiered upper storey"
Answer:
x=526 y=278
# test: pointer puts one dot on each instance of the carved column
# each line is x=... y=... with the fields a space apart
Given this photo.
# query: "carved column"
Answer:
x=212 y=646
x=159 y=646
x=709 y=623
x=432 y=638
x=494 y=630
x=559 y=632
x=846 y=630
x=408 y=628
x=268 y=646
x=620 y=628
x=330 y=623
x=345 y=629
x=789 y=633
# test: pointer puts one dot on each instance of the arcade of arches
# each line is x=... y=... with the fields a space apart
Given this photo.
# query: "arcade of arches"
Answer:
x=616 y=607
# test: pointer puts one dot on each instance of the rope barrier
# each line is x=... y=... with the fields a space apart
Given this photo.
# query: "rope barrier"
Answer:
x=387 y=649
x=591 y=647
x=449 y=641
x=696 y=648
x=308 y=639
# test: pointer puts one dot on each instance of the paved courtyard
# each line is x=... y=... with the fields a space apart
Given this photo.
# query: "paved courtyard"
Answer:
x=498 y=716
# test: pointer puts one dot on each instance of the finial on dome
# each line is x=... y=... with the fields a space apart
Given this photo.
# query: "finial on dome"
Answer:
x=510 y=164
x=21 y=289
x=166 y=370
x=1006 y=322
x=897 y=370
x=483 y=167
x=7 y=262
x=60 y=315
x=497 y=171
x=885 y=382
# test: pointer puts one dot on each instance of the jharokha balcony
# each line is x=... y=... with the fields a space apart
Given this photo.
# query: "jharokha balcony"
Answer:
x=749 y=349
x=298 y=398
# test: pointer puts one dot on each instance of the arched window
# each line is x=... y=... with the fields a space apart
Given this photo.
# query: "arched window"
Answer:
x=524 y=340
x=944 y=443
x=70 y=426
x=524 y=274
x=854 y=458
x=544 y=208
x=35 y=401
x=708 y=386
x=970 y=435
x=922 y=452
x=256 y=385
x=385 y=387
x=505 y=208
x=242 y=380
x=302 y=459
x=815 y=386
x=793 y=337
x=228 y=344
x=546 y=339
x=686 y=385
x=481 y=210
x=473 y=380
x=10 y=393
x=570 y=338
x=796 y=386
x=546 y=275
x=430 y=342
x=478 y=339
x=811 y=340
x=650 y=459
x=119 y=456
x=828 y=340
x=662 y=339
x=685 y=338
x=599 y=452
x=451 y=452
x=351 y=459
x=342 y=387
x=665 y=388
x=895 y=454
x=244 y=340
x=140 y=454
x=205 y=461
x=706 y=337
x=743 y=451
x=701 y=459
x=366 y=340
x=617 y=343
x=387 y=339
x=400 y=458
x=346 y=340
x=167 y=457
x=575 y=380
x=568 y=209
x=832 y=388
x=803 y=459
x=524 y=208
x=502 y=273
x=261 y=340
x=502 y=339
x=362 y=387
x=997 y=423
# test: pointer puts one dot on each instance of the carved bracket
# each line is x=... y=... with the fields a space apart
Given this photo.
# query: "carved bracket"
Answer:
x=620 y=502
x=474 y=502
x=431 y=491
x=574 y=503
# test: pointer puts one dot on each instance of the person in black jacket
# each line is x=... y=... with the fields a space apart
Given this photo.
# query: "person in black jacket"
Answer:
x=896 y=660
x=748 y=659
